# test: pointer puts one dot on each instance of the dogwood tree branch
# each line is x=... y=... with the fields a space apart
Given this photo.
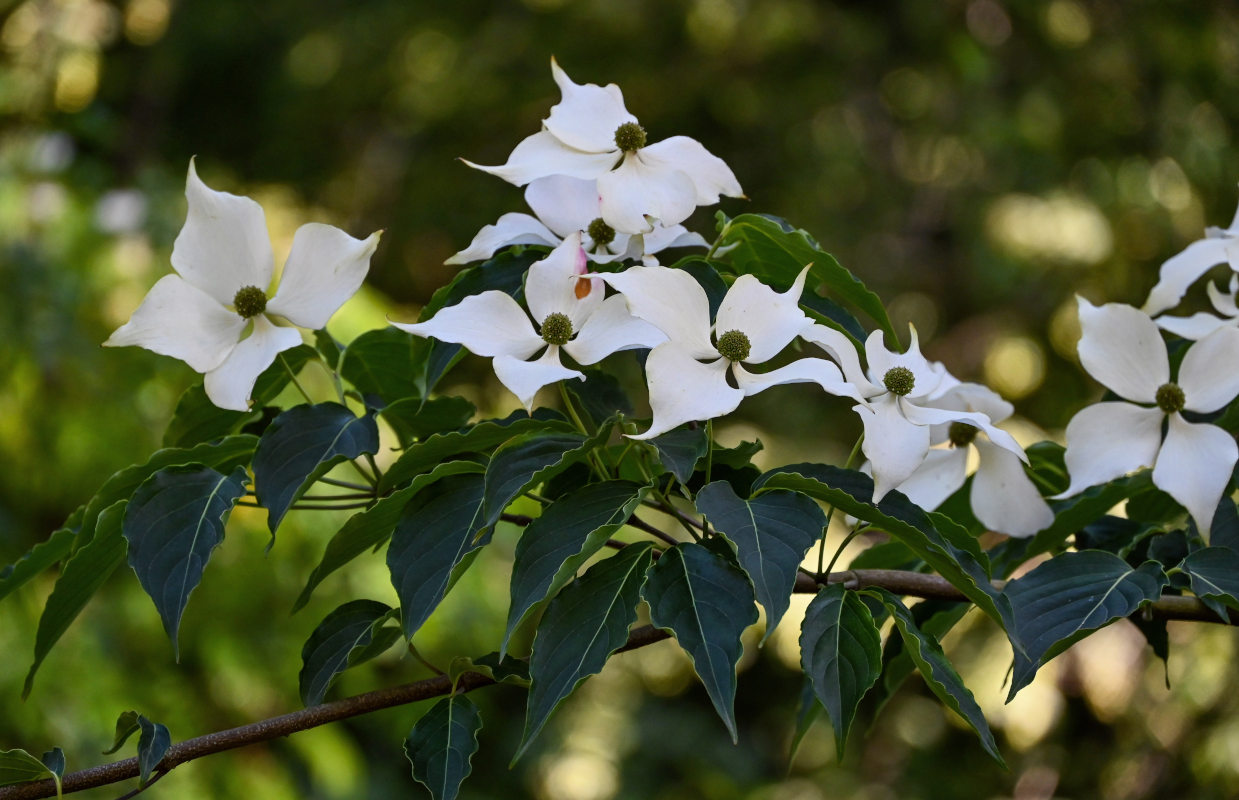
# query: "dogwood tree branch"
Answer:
x=912 y=584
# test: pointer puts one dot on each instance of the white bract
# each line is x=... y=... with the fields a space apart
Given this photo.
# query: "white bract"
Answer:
x=563 y=206
x=896 y=412
x=571 y=314
x=1180 y=271
x=589 y=134
x=754 y=324
x=1122 y=348
x=1003 y=497
x=223 y=264
x=1201 y=324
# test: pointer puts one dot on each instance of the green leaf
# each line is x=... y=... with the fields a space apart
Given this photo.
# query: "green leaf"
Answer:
x=126 y=724
x=525 y=461
x=1067 y=598
x=940 y=676
x=841 y=652
x=582 y=627
x=442 y=743
x=384 y=362
x=1224 y=532
x=762 y=247
x=438 y=528
x=174 y=521
x=328 y=348
x=1214 y=572
x=196 y=419
x=772 y=534
x=934 y=617
x=18 y=766
x=153 y=744
x=372 y=527
x=600 y=396
x=343 y=634
x=680 y=449
x=54 y=760
x=413 y=419
x=301 y=446
x=37 y=559
x=707 y=602
x=428 y=454
x=512 y=671
x=936 y=539
x=83 y=574
x=556 y=544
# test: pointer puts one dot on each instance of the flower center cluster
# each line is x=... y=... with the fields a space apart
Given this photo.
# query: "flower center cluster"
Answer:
x=899 y=380
x=734 y=346
x=961 y=434
x=556 y=328
x=1170 y=398
x=602 y=233
x=629 y=137
x=250 y=301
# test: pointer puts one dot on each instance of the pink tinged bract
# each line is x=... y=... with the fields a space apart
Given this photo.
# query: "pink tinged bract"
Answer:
x=229 y=385
x=1194 y=467
x=325 y=267
x=683 y=389
x=1122 y=348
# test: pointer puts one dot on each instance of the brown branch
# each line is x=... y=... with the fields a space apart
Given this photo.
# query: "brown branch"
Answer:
x=913 y=584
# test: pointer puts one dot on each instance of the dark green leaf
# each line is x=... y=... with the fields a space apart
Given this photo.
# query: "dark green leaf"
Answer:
x=126 y=724
x=37 y=559
x=841 y=653
x=1153 y=505
x=707 y=602
x=810 y=709
x=509 y=670
x=18 y=766
x=442 y=743
x=600 y=396
x=1223 y=533
x=935 y=618
x=330 y=649
x=374 y=526
x=83 y=574
x=525 y=461
x=939 y=675
x=1214 y=572
x=54 y=760
x=301 y=446
x=556 y=544
x=153 y=743
x=707 y=277
x=328 y=347
x=582 y=627
x=1070 y=596
x=196 y=419
x=680 y=449
x=438 y=528
x=760 y=246
x=383 y=362
x=428 y=454
x=937 y=540
x=174 y=521
x=413 y=419
x=772 y=534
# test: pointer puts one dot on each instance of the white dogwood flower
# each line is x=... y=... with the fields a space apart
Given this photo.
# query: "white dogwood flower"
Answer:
x=896 y=412
x=570 y=312
x=223 y=263
x=1180 y=271
x=1123 y=349
x=561 y=206
x=589 y=134
x=1201 y=324
x=754 y=323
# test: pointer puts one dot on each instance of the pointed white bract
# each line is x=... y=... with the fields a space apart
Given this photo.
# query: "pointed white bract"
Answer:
x=688 y=375
x=1201 y=324
x=591 y=135
x=223 y=249
x=570 y=312
x=1180 y=271
x=1122 y=348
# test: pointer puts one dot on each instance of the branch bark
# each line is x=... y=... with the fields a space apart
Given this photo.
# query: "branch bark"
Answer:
x=912 y=584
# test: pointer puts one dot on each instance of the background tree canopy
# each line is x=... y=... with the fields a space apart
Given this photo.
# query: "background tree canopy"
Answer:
x=976 y=163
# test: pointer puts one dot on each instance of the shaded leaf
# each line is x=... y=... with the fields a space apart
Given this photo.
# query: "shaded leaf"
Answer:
x=600 y=396
x=940 y=676
x=301 y=446
x=413 y=419
x=37 y=559
x=1223 y=533
x=513 y=671
x=707 y=602
x=1070 y=596
x=384 y=362
x=556 y=544
x=772 y=534
x=328 y=348
x=582 y=627
x=174 y=521
x=54 y=760
x=523 y=462
x=680 y=449
x=841 y=653
x=18 y=766
x=342 y=634
x=1214 y=573
x=373 y=527
x=442 y=743
x=126 y=724
x=153 y=744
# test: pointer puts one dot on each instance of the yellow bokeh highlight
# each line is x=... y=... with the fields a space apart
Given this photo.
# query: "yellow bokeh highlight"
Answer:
x=1067 y=23
x=146 y=21
x=1063 y=228
x=77 y=80
x=1014 y=366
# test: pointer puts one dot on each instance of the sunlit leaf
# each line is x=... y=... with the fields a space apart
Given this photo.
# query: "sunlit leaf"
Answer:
x=582 y=627
x=707 y=602
x=331 y=648
x=442 y=743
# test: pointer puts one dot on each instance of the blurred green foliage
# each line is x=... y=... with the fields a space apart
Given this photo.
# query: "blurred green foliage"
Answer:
x=975 y=162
